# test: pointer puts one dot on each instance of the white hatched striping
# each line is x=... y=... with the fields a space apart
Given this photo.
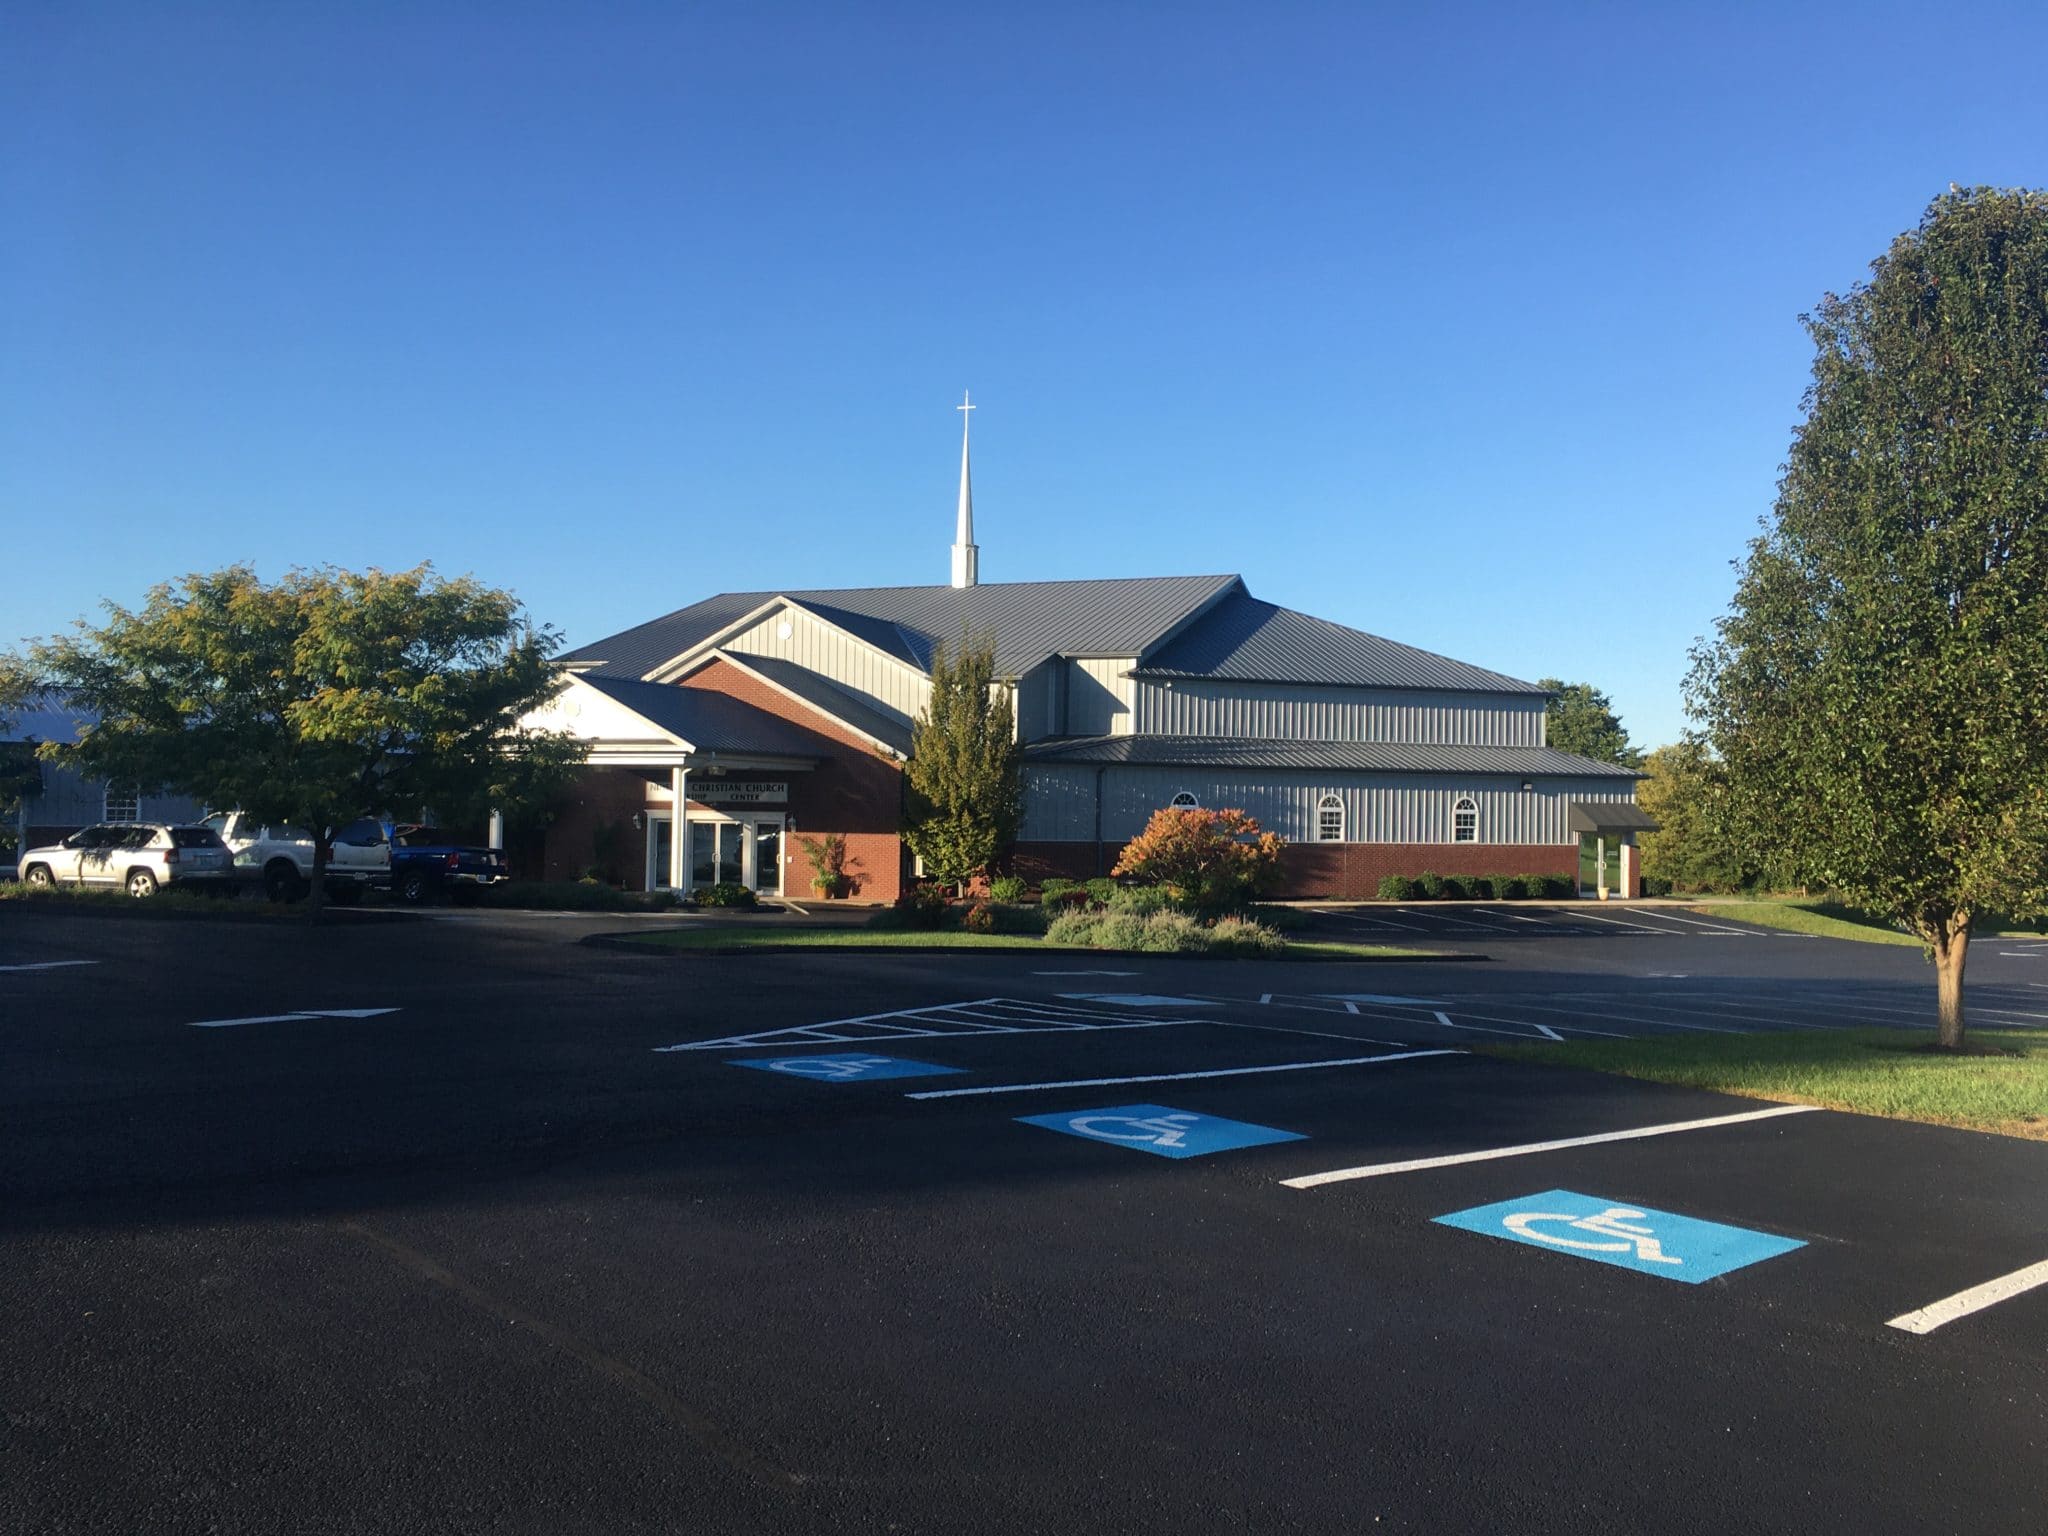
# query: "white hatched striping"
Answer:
x=984 y=1016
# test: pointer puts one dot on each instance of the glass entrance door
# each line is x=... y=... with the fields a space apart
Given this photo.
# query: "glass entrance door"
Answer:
x=718 y=853
x=768 y=857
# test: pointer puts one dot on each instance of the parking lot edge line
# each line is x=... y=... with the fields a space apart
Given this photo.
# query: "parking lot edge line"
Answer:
x=1975 y=1299
x=1419 y=1164
x=1174 y=1077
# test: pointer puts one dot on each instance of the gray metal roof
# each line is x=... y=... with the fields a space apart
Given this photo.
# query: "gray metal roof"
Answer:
x=1347 y=756
x=45 y=716
x=1029 y=620
x=818 y=693
x=1608 y=816
x=710 y=721
x=1242 y=639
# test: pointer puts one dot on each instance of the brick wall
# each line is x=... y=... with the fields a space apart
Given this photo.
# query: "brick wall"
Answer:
x=854 y=791
x=601 y=798
x=1332 y=871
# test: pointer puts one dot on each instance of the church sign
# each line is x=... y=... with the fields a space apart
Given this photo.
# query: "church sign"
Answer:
x=738 y=792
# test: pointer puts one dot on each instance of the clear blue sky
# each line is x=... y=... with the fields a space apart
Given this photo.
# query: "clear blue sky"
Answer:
x=1477 y=329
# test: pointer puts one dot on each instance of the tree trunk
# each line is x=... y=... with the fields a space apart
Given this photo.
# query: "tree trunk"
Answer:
x=316 y=898
x=1951 y=950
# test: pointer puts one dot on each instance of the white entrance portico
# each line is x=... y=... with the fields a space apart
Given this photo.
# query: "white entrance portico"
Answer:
x=721 y=764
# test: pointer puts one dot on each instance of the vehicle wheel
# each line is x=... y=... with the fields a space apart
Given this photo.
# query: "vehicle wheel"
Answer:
x=412 y=888
x=141 y=883
x=38 y=875
x=281 y=882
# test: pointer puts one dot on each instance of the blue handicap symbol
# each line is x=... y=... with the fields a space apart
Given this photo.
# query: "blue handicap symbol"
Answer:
x=1161 y=1131
x=845 y=1067
x=1633 y=1237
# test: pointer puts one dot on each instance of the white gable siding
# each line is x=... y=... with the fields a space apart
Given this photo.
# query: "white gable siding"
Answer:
x=1059 y=802
x=880 y=681
x=1099 y=697
x=589 y=714
x=1299 y=712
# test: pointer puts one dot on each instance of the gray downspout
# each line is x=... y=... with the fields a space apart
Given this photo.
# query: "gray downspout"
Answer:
x=1099 y=772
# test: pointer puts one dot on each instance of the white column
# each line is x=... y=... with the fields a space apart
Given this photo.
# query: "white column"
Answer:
x=497 y=831
x=679 y=830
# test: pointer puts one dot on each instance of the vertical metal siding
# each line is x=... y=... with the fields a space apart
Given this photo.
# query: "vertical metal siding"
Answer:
x=853 y=665
x=1099 y=697
x=1378 y=808
x=1297 y=712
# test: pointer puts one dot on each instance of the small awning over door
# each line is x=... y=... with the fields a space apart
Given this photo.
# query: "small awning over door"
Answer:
x=1603 y=816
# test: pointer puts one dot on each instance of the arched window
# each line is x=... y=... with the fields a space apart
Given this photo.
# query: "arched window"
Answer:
x=1186 y=800
x=1329 y=820
x=1465 y=820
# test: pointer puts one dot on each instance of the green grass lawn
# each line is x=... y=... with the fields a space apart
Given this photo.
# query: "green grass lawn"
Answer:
x=1833 y=921
x=1823 y=918
x=897 y=938
x=1867 y=1071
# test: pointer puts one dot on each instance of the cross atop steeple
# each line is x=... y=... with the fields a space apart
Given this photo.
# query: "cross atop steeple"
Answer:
x=966 y=554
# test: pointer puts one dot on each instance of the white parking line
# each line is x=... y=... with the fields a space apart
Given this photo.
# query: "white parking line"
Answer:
x=47 y=965
x=1632 y=927
x=1174 y=1077
x=1975 y=1299
x=1370 y=922
x=1418 y=1164
x=1679 y=917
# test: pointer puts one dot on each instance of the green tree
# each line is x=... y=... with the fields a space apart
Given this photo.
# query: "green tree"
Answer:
x=1580 y=718
x=962 y=791
x=1878 y=691
x=19 y=774
x=325 y=696
x=1694 y=848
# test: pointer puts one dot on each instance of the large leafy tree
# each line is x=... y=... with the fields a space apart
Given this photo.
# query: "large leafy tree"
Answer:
x=1878 y=691
x=325 y=696
x=962 y=791
x=1580 y=718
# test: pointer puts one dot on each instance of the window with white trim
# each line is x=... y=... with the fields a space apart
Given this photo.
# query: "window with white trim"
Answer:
x=1330 y=820
x=1465 y=820
x=121 y=804
x=1186 y=800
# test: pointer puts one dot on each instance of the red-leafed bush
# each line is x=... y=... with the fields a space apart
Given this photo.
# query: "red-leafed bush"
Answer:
x=1211 y=860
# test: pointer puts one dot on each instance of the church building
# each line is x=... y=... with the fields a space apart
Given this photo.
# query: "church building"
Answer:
x=723 y=733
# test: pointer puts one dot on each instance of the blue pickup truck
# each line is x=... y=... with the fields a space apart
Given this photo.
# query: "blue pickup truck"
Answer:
x=410 y=861
x=424 y=864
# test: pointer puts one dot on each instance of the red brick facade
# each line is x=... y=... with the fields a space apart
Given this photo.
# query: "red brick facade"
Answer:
x=1332 y=871
x=854 y=791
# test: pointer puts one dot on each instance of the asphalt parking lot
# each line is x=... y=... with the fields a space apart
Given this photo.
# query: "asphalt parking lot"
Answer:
x=467 y=1225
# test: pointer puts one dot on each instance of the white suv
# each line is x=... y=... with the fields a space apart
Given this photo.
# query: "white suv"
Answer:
x=140 y=857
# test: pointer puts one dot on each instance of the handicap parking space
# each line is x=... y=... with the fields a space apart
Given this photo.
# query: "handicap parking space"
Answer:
x=1569 y=1196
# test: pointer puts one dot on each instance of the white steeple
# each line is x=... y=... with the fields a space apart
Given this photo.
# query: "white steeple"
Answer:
x=966 y=553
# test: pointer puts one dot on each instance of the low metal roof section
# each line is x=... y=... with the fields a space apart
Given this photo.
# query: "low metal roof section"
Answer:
x=1344 y=756
x=1602 y=816
x=714 y=724
x=1242 y=639
x=1029 y=620
x=46 y=716
x=807 y=687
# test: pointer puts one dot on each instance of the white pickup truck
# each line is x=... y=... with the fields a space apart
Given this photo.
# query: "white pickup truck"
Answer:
x=282 y=857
